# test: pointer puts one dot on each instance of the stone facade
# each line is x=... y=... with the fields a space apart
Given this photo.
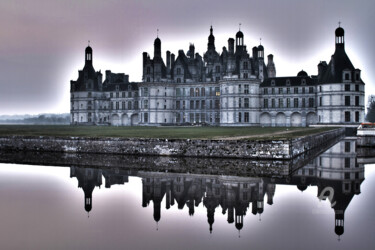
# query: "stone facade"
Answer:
x=228 y=89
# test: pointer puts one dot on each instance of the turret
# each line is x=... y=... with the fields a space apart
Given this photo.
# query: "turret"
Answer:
x=211 y=40
x=157 y=48
x=88 y=56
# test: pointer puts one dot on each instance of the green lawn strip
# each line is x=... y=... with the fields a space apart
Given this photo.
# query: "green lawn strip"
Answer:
x=151 y=132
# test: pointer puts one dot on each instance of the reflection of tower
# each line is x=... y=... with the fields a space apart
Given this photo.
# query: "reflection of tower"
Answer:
x=88 y=179
x=337 y=175
x=210 y=202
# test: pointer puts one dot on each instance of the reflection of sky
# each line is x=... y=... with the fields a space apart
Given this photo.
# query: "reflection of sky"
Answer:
x=42 y=208
x=43 y=41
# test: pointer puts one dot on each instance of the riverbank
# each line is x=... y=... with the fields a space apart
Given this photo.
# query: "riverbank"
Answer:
x=217 y=148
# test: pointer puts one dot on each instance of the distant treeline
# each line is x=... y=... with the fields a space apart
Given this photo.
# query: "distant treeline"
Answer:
x=40 y=119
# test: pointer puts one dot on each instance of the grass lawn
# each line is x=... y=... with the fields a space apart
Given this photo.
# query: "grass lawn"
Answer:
x=250 y=133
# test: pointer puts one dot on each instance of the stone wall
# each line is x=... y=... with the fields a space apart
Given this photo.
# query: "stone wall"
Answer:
x=271 y=149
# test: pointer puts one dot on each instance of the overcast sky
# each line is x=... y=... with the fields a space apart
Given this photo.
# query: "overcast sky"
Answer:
x=42 y=42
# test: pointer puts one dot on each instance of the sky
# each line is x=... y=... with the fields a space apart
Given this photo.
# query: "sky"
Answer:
x=42 y=42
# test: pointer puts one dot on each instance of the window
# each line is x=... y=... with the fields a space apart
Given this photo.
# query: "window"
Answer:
x=196 y=91
x=357 y=76
x=311 y=102
x=246 y=91
x=296 y=102
x=357 y=87
x=117 y=105
x=280 y=90
x=123 y=105
x=347 y=162
x=123 y=94
x=239 y=89
x=288 y=102
x=217 y=91
x=295 y=90
x=273 y=83
x=347 y=87
x=356 y=116
x=273 y=103
x=178 y=71
x=135 y=105
x=197 y=104
x=178 y=80
x=191 y=92
x=311 y=90
x=347 y=77
x=320 y=101
x=357 y=101
x=265 y=103
x=203 y=104
x=111 y=95
x=347 y=100
x=191 y=104
x=287 y=82
x=288 y=90
x=347 y=146
x=347 y=116
x=178 y=92
x=303 y=91
x=129 y=105
x=178 y=104
x=265 y=91
x=281 y=104
x=217 y=104
x=203 y=91
x=117 y=94
x=245 y=65
x=145 y=104
x=273 y=90
x=303 y=103
x=246 y=102
x=145 y=92
x=245 y=75
x=145 y=117
x=246 y=117
x=239 y=117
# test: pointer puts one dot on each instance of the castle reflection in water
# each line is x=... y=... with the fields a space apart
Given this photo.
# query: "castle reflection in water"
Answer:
x=336 y=173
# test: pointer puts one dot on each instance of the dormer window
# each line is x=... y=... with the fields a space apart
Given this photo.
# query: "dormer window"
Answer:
x=303 y=81
x=357 y=76
x=347 y=76
x=117 y=88
x=273 y=83
x=288 y=82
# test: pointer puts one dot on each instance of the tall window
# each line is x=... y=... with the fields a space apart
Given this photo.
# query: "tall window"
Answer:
x=239 y=117
x=288 y=102
x=145 y=104
x=178 y=71
x=145 y=117
x=246 y=91
x=273 y=103
x=347 y=100
x=357 y=116
x=281 y=104
x=311 y=102
x=217 y=69
x=296 y=102
x=130 y=104
x=245 y=65
x=246 y=103
x=246 y=117
x=357 y=101
x=265 y=103
x=347 y=116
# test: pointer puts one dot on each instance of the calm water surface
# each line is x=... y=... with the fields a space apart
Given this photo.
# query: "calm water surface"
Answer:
x=328 y=204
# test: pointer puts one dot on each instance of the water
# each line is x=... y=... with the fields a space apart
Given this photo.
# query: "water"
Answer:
x=49 y=207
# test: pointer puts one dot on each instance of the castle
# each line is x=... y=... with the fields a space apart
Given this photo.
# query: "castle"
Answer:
x=233 y=88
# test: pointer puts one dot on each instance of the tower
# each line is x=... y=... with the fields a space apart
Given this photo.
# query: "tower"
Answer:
x=88 y=56
x=339 y=39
